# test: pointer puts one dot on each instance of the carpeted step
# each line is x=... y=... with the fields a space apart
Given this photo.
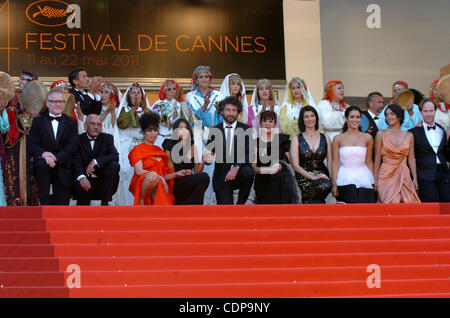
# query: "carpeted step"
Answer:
x=242 y=290
x=224 y=248
x=224 y=261
x=246 y=210
x=254 y=275
x=240 y=223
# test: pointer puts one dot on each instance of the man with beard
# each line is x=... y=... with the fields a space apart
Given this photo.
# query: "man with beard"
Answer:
x=230 y=141
x=375 y=104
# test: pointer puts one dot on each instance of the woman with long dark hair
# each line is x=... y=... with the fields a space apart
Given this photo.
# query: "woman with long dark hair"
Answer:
x=352 y=161
x=308 y=152
x=189 y=189
x=395 y=148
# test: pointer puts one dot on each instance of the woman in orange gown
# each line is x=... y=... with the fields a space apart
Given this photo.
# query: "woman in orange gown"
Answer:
x=396 y=148
x=153 y=179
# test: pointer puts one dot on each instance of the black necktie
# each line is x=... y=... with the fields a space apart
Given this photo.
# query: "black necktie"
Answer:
x=434 y=127
x=55 y=118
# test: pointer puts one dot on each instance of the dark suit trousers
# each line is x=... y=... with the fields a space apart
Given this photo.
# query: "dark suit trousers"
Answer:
x=46 y=176
x=243 y=182
x=437 y=190
x=102 y=188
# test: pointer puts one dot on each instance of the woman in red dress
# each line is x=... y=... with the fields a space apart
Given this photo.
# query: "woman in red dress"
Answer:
x=153 y=179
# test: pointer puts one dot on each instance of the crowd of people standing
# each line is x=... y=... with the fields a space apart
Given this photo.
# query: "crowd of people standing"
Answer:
x=213 y=147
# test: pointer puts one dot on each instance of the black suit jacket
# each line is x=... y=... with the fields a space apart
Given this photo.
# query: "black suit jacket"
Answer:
x=87 y=104
x=104 y=152
x=241 y=152
x=425 y=155
x=371 y=124
x=42 y=139
x=447 y=153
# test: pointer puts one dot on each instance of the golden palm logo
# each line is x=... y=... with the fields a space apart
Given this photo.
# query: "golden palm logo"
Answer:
x=49 y=13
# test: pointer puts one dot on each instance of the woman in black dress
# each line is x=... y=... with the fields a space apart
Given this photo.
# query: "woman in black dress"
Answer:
x=190 y=189
x=308 y=152
x=274 y=183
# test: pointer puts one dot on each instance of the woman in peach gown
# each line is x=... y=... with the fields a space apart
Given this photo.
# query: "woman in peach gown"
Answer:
x=396 y=148
x=153 y=179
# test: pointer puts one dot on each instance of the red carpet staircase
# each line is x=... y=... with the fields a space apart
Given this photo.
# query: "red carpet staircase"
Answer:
x=212 y=251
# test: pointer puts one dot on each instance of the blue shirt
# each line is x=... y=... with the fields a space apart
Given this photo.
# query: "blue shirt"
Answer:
x=408 y=122
x=210 y=117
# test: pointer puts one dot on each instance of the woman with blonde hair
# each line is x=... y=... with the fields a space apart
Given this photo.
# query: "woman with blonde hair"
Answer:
x=297 y=95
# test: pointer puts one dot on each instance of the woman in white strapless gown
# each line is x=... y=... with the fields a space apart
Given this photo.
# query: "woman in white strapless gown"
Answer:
x=352 y=162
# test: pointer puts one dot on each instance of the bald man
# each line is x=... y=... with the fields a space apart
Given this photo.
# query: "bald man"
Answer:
x=96 y=164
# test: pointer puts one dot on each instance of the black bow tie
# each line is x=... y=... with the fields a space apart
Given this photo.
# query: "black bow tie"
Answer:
x=92 y=139
x=434 y=127
x=376 y=118
x=229 y=126
x=55 y=118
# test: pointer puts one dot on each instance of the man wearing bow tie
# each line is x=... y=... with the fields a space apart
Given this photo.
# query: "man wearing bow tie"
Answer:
x=429 y=147
x=375 y=104
x=51 y=144
x=96 y=164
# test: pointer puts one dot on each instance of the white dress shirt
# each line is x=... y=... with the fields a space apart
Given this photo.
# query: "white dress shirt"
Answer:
x=92 y=142
x=375 y=118
x=434 y=137
x=233 y=127
x=55 y=124
x=96 y=97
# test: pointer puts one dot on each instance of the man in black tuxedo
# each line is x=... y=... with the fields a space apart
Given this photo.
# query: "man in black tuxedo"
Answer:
x=96 y=164
x=51 y=143
x=375 y=104
x=429 y=147
x=230 y=141
x=87 y=92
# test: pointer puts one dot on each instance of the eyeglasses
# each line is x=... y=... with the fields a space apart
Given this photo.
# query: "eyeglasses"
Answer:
x=57 y=102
